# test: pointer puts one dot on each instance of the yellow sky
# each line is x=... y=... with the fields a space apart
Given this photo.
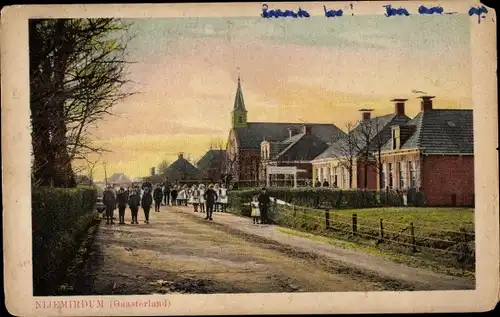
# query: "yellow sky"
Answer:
x=291 y=71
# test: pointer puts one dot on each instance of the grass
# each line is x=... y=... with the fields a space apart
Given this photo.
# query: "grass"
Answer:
x=410 y=260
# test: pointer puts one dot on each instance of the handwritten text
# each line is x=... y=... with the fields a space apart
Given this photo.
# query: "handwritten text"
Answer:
x=390 y=11
x=266 y=13
x=478 y=11
x=333 y=13
x=424 y=10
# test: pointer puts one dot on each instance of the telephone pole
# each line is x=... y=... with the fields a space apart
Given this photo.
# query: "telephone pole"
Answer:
x=105 y=174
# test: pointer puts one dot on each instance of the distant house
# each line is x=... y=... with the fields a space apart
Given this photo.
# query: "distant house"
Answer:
x=433 y=153
x=244 y=148
x=181 y=170
x=297 y=150
x=83 y=180
x=120 y=179
x=212 y=165
x=355 y=151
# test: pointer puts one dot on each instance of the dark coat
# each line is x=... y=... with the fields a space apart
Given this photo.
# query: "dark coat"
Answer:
x=122 y=198
x=134 y=200
x=174 y=193
x=158 y=194
x=264 y=200
x=210 y=196
x=109 y=199
x=147 y=200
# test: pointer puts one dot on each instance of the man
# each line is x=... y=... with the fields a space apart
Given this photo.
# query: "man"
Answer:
x=109 y=200
x=147 y=184
x=264 y=206
x=158 y=196
x=174 y=193
x=134 y=201
x=122 y=199
x=146 y=202
x=326 y=184
x=210 y=198
x=166 y=193
x=317 y=183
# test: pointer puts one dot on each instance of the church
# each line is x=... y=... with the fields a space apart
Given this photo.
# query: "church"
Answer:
x=252 y=146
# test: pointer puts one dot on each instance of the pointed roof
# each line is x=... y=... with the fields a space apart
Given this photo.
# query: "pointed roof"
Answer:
x=239 y=103
x=212 y=159
x=181 y=168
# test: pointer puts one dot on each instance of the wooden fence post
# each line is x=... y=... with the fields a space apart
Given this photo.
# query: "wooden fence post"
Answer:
x=354 y=224
x=381 y=230
x=412 y=232
x=327 y=220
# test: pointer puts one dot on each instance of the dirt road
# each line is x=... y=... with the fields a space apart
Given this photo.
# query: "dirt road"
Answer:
x=178 y=252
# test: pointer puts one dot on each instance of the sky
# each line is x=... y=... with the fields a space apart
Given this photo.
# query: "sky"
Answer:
x=317 y=70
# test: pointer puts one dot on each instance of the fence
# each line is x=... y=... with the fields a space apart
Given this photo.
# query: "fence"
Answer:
x=452 y=246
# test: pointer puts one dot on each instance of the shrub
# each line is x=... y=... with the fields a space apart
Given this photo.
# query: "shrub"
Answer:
x=321 y=197
x=60 y=218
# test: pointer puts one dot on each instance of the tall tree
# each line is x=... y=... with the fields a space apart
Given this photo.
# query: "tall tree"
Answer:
x=369 y=142
x=346 y=151
x=77 y=72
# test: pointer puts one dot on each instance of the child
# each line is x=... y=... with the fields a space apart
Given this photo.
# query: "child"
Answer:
x=202 y=198
x=255 y=209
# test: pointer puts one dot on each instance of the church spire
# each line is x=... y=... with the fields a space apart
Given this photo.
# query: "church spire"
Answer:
x=239 y=113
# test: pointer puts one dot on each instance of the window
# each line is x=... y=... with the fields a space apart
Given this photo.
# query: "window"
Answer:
x=344 y=178
x=413 y=175
x=393 y=139
x=240 y=120
x=391 y=185
x=401 y=171
x=383 y=175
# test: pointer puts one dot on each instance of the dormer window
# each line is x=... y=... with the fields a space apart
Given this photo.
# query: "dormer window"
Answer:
x=240 y=120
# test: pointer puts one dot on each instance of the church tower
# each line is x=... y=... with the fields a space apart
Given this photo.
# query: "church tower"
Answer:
x=239 y=113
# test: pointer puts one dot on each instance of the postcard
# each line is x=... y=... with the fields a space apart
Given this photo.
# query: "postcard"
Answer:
x=250 y=158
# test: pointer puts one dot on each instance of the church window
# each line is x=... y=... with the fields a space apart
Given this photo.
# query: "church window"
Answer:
x=240 y=120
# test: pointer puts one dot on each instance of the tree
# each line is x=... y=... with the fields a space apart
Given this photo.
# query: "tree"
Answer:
x=369 y=140
x=346 y=151
x=77 y=74
x=162 y=167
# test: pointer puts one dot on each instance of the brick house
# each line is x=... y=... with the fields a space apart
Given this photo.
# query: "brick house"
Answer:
x=212 y=165
x=244 y=148
x=297 y=150
x=365 y=140
x=433 y=153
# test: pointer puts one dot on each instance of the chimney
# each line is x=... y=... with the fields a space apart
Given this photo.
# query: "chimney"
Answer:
x=399 y=106
x=306 y=129
x=366 y=114
x=181 y=155
x=426 y=103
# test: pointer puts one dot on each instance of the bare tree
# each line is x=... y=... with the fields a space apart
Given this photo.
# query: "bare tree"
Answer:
x=162 y=167
x=346 y=151
x=77 y=72
x=369 y=140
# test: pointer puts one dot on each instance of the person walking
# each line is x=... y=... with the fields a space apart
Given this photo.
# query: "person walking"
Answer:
x=264 y=201
x=223 y=198
x=109 y=200
x=202 y=198
x=210 y=198
x=195 y=198
x=255 y=209
x=122 y=199
x=158 y=196
x=146 y=202
x=134 y=201
x=166 y=193
x=174 y=194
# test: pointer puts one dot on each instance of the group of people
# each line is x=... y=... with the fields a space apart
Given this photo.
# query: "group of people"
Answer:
x=260 y=207
x=134 y=198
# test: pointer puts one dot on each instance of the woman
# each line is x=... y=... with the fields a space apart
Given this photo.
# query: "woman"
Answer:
x=146 y=202
x=201 y=189
x=217 y=202
x=158 y=196
x=181 y=196
x=195 y=197
x=223 y=198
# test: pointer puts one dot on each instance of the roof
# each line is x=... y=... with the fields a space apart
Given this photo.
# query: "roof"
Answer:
x=119 y=178
x=181 y=167
x=301 y=147
x=441 y=131
x=250 y=137
x=239 y=103
x=212 y=159
x=374 y=128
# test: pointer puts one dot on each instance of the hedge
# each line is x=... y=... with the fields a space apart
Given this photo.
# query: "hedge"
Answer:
x=325 y=198
x=60 y=219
